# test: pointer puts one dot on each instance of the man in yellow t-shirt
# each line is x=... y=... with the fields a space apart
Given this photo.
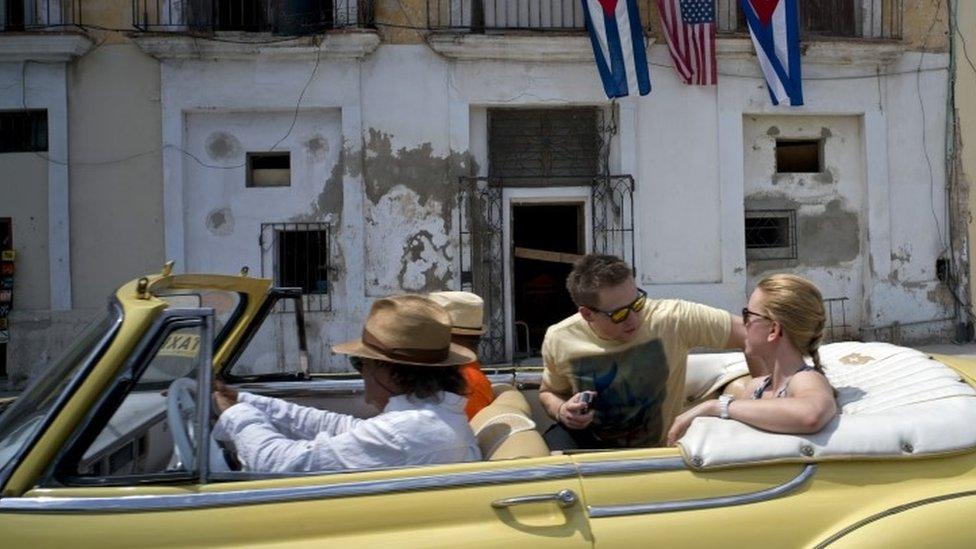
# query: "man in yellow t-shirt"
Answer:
x=627 y=353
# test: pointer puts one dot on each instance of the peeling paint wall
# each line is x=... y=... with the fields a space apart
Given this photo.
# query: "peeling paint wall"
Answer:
x=829 y=205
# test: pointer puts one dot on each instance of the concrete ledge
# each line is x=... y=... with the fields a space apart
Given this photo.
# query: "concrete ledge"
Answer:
x=337 y=45
x=827 y=52
x=535 y=47
x=41 y=46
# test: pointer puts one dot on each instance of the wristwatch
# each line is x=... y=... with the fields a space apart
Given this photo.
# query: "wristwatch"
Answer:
x=723 y=403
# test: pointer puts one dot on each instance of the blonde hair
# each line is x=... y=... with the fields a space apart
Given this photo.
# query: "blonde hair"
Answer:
x=797 y=305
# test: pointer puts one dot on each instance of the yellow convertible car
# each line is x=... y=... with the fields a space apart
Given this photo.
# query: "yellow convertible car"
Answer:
x=112 y=448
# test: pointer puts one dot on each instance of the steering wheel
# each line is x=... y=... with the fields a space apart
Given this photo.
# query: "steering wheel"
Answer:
x=181 y=412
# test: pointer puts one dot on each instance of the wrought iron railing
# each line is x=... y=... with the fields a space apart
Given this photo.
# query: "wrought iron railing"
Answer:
x=513 y=15
x=282 y=17
x=481 y=238
x=829 y=18
x=298 y=255
x=30 y=15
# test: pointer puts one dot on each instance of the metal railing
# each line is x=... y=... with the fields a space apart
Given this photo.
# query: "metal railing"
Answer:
x=828 y=18
x=30 y=15
x=282 y=17
x=513 y=15
x=298 y=255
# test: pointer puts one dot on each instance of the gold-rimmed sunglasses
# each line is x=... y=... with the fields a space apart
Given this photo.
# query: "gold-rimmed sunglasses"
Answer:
x=619 y=315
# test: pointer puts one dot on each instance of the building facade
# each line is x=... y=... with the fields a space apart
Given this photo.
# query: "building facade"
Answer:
x=418 y=145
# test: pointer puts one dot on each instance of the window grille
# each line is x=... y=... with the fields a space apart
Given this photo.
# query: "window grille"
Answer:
x=770 y=234
x=298 y=256
x=558 y=146
x=23 y=131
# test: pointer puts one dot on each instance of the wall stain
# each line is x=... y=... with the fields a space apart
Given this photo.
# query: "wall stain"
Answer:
x=220 y=221
x=826 y=177
x=825 y=132
x=327 y=207
x=317 y=148
x=829 y=238
x=223 y=146
x=420 y=270
x=411 y=197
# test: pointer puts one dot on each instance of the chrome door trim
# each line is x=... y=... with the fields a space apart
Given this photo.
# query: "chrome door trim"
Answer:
x=122 y=504
x=622 y=467
x=705 y=503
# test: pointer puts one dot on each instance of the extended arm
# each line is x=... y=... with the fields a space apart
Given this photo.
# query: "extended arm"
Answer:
x=809 y=406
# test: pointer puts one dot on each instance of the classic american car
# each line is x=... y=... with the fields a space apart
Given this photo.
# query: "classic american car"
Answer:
x=112 y=447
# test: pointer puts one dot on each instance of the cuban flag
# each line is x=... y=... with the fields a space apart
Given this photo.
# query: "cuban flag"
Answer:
x=618 y=45
x=775 y=29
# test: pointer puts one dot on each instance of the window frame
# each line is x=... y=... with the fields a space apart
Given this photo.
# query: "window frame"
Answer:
x=63 y=468
x=268 y=308
x=772 y=253
x=269 y=241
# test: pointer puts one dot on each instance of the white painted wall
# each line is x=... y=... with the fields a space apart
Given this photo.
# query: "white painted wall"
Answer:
x=688 y=149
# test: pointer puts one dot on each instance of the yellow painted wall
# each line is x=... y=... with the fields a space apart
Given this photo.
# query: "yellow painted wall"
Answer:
x=115 y=138
x=23 y=198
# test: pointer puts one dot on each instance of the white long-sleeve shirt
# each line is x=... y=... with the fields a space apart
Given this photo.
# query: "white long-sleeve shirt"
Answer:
x=276 y=436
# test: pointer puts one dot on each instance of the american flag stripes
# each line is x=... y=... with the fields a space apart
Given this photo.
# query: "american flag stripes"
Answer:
x=689 y=26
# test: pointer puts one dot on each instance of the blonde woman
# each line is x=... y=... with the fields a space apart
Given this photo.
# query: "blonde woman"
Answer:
x=784 y=323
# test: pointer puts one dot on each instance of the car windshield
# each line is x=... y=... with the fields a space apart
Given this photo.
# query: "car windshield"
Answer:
x=21 y=421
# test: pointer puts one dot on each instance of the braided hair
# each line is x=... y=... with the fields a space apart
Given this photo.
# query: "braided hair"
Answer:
x=797 y=305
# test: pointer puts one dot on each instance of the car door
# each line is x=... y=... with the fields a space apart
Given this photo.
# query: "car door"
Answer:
x=644 y=497
x=116 y=484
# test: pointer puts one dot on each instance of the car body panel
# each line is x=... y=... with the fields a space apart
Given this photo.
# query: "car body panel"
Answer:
x=386 y=511
x=840 y=493
x=626 y=498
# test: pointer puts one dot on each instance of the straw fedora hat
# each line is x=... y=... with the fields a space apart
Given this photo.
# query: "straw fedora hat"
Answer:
x=466 y=310
x=407 y=329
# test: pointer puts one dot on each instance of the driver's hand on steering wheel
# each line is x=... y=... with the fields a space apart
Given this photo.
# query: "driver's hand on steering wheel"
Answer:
x=223 y=396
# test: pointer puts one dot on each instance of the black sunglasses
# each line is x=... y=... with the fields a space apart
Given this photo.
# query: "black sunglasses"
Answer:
x=746 y=313
x=619 y=315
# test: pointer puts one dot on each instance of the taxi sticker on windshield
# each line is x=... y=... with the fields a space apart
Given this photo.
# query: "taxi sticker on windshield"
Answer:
x=181 y=345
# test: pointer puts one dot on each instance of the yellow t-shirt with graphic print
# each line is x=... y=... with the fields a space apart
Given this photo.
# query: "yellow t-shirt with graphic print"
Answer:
x=639 y=384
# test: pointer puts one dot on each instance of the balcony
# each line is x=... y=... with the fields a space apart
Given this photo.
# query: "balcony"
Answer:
x=487 y=16
x=826 y=19
x=279 y=17
x=38 y=15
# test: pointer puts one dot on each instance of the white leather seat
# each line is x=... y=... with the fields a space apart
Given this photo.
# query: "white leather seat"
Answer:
x=893 y=402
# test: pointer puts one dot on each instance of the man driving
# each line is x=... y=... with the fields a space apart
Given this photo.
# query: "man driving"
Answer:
x=410 y=373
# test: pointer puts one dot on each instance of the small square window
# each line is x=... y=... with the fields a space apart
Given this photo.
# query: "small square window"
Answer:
x=269 y=169
x=770 y=234
x=23 y=131
x=799 y=156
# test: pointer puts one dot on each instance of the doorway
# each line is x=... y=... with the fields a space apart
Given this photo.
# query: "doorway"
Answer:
x=547 y=239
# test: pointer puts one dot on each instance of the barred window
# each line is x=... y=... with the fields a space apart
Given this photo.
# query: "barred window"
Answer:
x=23 y=131
x=770 y=234
x=298 y=256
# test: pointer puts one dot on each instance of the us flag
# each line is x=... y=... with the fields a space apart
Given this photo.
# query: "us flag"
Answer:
x=689 y=26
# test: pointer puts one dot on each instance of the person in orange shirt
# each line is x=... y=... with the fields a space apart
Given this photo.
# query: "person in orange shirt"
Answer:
x=467 y=326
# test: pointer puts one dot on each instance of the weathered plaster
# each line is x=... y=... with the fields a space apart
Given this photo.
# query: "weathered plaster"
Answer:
x=411 y=195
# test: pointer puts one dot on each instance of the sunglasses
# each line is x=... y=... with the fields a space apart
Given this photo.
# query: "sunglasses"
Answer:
x=746 y=313
x=357 y=363
x=619 y=315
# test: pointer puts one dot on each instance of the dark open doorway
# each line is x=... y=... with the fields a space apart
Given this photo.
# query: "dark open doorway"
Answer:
x=546 y=239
